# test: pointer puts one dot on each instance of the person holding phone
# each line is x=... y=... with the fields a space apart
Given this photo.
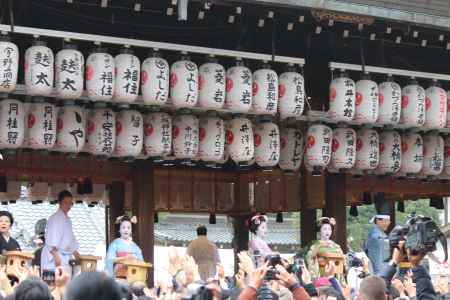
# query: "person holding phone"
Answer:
x=60 y=242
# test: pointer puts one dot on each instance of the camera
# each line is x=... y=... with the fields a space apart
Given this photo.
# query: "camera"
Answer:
x=48 y=276
x=273 y=259
x=197 y=291
x=420 y=235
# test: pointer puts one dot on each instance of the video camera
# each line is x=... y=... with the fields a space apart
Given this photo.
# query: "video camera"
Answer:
x=420 y=235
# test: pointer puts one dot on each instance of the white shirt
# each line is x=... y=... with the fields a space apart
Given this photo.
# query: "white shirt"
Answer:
x=59 y=235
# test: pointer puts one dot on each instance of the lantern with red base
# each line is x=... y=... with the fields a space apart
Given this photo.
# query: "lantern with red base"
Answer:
x=390 y=95
x=367 y=149
x=100 y=79
x=155 y=75
x=239 y=140
x=319 y=139
x=12 y=123
x=184 y=83
x=238 y=88
x=211 y=84
x=343 y=148
x=267 y=144
x=366 y=109
x=342 y=98
x=69 y=73
x=101 y=131
x=41 y=132
x=433 y=154
x=212 y=139
x=39 y=70
x=435 y=107
x=127 y=72
x=291 y=149
x=71 y=129
x=158 y=134
x=265 y=91
x=129 y=133
x=413 y=105
x=9 y=56
x=390 y=153
x=291 y=91
x=412 y=154
x=185 y=136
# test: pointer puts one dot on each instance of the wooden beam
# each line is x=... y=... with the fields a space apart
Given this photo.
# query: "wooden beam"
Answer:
x=144 y=210
x=335 y=206
x=240 y=237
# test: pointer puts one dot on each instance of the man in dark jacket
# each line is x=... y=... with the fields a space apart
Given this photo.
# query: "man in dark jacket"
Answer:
x=424 y=286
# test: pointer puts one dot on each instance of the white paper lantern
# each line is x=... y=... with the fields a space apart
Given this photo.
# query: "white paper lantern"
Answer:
x=367 y=149
x=342 y=99
x=366 y=105
x=390 y=152
x=155 y=76
x=212 y=139
x=433 y=154
x=129 y=133
x=69 y=75
x=158 y=134
x=291 y=149
x=9 y=66
x=100 y=80
x=265 y=91
x=127 y=71
x=101 y=131
x=41 y=132
x=447 y=155
x=185 y=134
x=184 y=84
x=291 y=91
x=211 y=85
x=239 y=140
x=39 y=70
x=12 y=123
x=239 y=89
x=343 y=148
x=412 y=153
x=318 y=146
x=71 y=129
x=267 y=144
x=413 y=105
x=435 y=107
x=390 y=95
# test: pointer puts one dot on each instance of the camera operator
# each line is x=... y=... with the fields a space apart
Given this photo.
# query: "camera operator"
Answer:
x=424 y=286
x=288 y=280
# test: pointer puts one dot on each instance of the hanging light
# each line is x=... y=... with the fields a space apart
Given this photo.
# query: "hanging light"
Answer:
x=212 y=218
x=279 y=218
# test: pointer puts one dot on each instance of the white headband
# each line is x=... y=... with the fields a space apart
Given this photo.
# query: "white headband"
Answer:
x=385 y=217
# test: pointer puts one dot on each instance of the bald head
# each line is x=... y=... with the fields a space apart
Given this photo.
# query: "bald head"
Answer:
x=372 y=288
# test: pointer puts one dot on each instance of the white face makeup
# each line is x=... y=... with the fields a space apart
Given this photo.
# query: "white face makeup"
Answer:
x=325 y=232
x=262 y=230
x=125 y=230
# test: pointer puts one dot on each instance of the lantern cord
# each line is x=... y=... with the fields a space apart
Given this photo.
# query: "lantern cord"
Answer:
x=361 y=48
x=274 y=27
x=11 y=15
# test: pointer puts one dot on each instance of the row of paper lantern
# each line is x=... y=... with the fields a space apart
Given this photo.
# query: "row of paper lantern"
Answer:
x=37 y=192
x=387 y=103
x=366 y=150
x=120 y=78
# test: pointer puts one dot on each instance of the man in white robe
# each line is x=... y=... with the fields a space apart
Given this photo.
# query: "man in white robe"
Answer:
x=60 y=241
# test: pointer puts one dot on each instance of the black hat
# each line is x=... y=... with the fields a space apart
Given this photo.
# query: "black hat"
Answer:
x=382 y=207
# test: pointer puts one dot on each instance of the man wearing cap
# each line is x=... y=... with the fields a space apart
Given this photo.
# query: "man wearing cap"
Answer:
x=377 y=244
x=60 y=241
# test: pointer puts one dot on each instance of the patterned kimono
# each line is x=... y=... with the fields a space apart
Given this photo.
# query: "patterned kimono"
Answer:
x=121 y=248
x=261 y=248
x=316 y=248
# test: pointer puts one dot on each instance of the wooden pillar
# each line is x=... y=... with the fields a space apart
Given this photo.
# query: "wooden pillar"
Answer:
x=144 y=209
x=335 y=206
x=240 y=237
x=307 y=226
x=392 y=214
x=116 y=208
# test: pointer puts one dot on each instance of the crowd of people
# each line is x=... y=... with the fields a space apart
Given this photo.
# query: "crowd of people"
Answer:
x=323 y=273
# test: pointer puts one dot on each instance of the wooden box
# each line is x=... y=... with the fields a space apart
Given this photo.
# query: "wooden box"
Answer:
x=135 y=270
x=15 y=260
x=88 y=263
x=337 y=259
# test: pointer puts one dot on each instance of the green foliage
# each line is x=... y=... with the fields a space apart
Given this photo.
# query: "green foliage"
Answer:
x=358 y=227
